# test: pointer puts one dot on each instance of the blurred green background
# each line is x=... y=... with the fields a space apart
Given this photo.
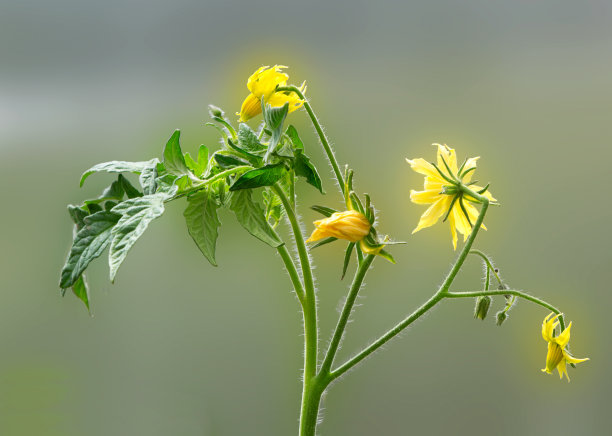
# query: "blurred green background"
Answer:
x=179 y=347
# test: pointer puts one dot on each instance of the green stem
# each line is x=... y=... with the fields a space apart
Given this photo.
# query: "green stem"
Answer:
x=292 y=271
x=435 y=299
x=515 y=293
x=207 y=182
x=310 y=395
x=346 y=313
x=489 y=264
x=328 y=150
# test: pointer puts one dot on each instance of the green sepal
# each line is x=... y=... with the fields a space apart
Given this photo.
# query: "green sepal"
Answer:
x=323 y=210
x=203 y=222
x=264 y=176
x=251 y=216
x=116 y=166
x=323 y=242
x=173 y=156
x=386 y=255
x=136 y=215
x=347 y=258
x=89 y=243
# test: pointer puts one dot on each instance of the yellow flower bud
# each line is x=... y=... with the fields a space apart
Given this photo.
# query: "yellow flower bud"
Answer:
x=350 y=225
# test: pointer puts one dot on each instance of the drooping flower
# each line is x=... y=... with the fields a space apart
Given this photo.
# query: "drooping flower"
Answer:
x=263 y=84
x=557 y=356
x=350 y=225
x=441 y=191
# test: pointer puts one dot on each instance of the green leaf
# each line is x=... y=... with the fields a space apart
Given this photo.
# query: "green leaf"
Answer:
x=88 y=244
x=323 y=210
x=226 y=161
x=347 y=258
x=80 y=290
x=117 y=167
x=198 y=167
x=148 y=176
x=303 y=167
x=136 y=215
x=265 y=176
x=77 y=214
x=295 y=138
x=173 y=156
x=203 y=223
x=250 y=215
x=273 y=205
x=113 y=192
x=129 y=190
x=248 y=140
x=166 y=185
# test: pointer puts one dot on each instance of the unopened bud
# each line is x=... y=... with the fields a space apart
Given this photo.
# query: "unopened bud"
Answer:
x=501 y=317
x=214 y=111
x=482 y=307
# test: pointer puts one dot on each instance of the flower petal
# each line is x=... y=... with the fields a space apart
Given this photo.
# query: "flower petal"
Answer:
x=451 y=220
x=425 y=197
x=449 y=155
x=421 y=166
x=251 y=106
x=564 y=337
x=433 y=213
x=470 y=163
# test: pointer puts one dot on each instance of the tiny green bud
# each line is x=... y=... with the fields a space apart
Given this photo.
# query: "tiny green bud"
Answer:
x=482 y=307
x=214 y=111
x=501 y=317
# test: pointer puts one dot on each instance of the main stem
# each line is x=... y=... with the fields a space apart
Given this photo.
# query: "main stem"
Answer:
x=310 y=396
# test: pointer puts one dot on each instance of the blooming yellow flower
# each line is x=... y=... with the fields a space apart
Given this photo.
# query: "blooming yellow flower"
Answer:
x=443 y=196
x=350 y=225
x=263 y=84
x=557 y=356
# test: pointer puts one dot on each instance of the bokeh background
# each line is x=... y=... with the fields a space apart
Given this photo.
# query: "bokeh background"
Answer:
x=179 y=347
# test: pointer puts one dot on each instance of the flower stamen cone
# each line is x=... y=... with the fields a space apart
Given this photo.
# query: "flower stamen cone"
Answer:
x=443 y=192
x=557 y=355
x=350 y=225
x=263 y=84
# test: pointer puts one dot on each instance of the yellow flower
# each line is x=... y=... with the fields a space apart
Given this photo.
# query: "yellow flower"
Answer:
x=263 y=84
x=443 y=196
x=350 y=225
x=557 y=356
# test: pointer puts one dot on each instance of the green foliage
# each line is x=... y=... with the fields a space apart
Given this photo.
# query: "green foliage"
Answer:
x=251 y=216
x=136 y=215
x=117 y=167
x=264 y=176
x=203 y=223
x=347 y=258
x=174 y=161
x=274 y=118
x=89 y=243
x=247 y=139
x=303 y=167
x=323 y=210
x=198 y=167
x=226 y=160
x=81 y=291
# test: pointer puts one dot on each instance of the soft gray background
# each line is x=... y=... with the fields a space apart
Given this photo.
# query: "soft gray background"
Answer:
x=179 y=347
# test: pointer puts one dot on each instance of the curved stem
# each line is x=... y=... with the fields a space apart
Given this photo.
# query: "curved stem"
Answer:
x=315 y=122
x=489 y=264
x=207 y=182
x=435 y=299
x=346 y=313
x=292 y=271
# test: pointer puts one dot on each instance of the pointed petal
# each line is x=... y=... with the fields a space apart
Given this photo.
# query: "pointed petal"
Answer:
x=572 y=359
x=470 y=163
x=251 y=106
x=451 y=220
x=421 y=166
x=449 y=156
x=564 y=337
x=461 y=222
x=425 y=197
x=433 y=213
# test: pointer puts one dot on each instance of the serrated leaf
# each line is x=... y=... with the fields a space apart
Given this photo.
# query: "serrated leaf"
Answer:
x=347 y=258
x=248 y=140
x=304 y=168
x=88 y=244
x=264 y=176
x=116 y=166
x=250 y=215
x=173 y=156
x=81 y=291
x=226 y=161
x=203 y=223
x=295 y=138
x=323 y=210
x=136 y=215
